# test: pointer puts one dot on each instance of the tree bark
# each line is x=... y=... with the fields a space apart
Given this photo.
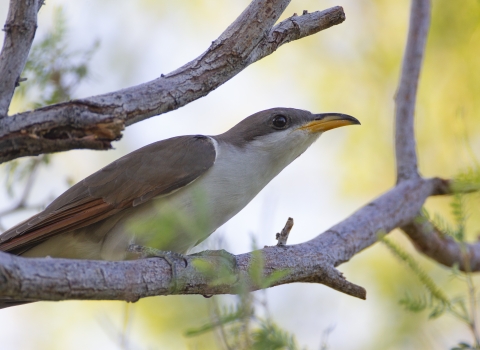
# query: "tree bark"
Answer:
x=19 y=31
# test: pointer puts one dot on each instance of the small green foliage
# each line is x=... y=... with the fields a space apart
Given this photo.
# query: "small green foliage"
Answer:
x=226 y=316
x=257 y=274
x=256 y=271
x=459 y=214
x=424 y=278
x=234 y=325
x=18 y=171
x=442 y=225
x=238 y=326
x=468 y=180
x=170 y=229
x=53 y=71
x=464 y=308
x=414 y=304
x=464 y=346
x=221 y=273
x=436 y=300
x=274 y=277
x=437 y=311
x=268 y=336
x=456 y=231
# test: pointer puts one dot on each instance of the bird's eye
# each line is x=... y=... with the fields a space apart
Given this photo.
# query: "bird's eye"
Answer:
x=279 y=121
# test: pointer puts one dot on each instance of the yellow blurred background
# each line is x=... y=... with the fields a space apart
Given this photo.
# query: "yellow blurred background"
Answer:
x=351 y=68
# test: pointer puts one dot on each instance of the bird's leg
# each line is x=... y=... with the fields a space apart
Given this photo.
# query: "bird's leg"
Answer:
x=229 y=260
x=170 y=257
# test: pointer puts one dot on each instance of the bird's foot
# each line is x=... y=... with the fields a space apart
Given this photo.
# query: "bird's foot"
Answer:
x=221 y=266
x=230 y=258
x=171 y=258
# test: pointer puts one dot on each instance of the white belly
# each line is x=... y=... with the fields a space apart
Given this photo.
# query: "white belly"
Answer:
x=183 y=219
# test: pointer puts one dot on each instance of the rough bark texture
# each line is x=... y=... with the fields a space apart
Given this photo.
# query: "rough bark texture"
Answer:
x=251 y=37
x=19 y=31
x=96 y=121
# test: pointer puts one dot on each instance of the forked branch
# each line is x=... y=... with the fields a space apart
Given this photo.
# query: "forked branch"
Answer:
x=424 y=235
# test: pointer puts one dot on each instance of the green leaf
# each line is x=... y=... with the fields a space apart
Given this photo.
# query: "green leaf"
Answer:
x=414 y=304
x=270 y=337
x=227 y=316
x=437 y=311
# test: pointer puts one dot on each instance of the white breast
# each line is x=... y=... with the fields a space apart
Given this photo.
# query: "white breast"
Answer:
x=237 y=176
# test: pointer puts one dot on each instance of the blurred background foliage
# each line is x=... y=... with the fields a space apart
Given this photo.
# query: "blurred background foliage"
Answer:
x=352 y=68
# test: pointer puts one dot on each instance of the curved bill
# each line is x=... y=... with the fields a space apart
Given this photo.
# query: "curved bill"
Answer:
x=328 y=121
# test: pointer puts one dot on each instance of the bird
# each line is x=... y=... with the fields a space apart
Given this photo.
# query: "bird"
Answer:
x=172 y=194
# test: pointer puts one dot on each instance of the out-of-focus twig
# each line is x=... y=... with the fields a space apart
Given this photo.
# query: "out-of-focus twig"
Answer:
x=22 y=201
x=405 y=145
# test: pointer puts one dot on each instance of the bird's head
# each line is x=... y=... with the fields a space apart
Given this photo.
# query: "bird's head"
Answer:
x=279 y=135
x=284 y=128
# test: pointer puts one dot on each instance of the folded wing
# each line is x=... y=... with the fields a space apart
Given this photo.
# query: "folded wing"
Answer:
x=154 y=170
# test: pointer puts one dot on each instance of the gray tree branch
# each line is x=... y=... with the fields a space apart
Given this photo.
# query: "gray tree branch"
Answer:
x=19 y=31
x=406 y=96
x=96 y=121
x=313 y=261
x=428 y=240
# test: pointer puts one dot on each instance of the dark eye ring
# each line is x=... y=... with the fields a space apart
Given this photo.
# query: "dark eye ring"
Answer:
x=279 y=121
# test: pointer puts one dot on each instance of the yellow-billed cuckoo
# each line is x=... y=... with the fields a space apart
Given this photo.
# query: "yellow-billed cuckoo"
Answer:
x=202 y=180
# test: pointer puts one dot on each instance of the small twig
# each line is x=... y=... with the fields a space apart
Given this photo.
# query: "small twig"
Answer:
x=20 y=80
x=220 y=330
x=282 y=237
x=21 y=204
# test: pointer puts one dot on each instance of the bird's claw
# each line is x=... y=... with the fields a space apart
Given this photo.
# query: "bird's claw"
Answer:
x=222 y=253
x=170 y=257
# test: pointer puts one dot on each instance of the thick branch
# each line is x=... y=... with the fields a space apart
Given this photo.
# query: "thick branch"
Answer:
x=405 y=99
x=96 y=121
x=428 y=240
x=313 y=261
x=19 y=31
